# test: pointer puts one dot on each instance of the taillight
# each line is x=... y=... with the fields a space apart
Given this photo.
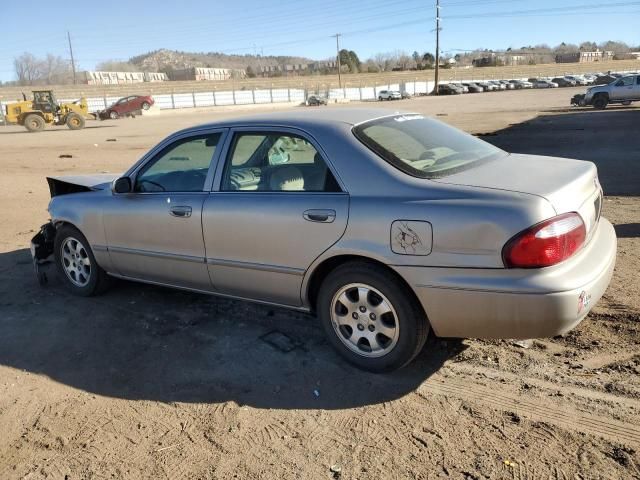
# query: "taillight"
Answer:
x=546 y=243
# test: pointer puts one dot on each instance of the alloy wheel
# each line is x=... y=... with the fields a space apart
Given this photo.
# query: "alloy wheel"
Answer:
x=364 y=320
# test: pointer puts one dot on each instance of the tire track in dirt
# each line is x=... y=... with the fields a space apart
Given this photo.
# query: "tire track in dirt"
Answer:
x=538 y=411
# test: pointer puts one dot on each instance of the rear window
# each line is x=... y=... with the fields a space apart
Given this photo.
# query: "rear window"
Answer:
x=423 y=147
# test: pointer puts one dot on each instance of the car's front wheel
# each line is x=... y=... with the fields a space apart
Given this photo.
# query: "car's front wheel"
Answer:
x=600 y=102
x=370 y=318
x=76 y=263
x=113 y=115
x=145 y=105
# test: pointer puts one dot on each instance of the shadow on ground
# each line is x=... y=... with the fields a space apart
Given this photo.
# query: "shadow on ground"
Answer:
x=609 y=138
x=48 y=129
x=628 y=230
x=151 y=343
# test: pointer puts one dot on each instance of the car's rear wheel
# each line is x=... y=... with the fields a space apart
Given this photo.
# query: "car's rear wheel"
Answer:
x=370 y=318
x=600 y=102
x=145 y=105
x=76 y=263
x=380 y=99
x=113 y=115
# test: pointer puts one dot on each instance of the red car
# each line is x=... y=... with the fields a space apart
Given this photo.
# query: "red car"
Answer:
x=127 y=105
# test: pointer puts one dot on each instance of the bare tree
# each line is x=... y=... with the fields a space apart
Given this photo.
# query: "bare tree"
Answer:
x=56 y=70
x=28 y=69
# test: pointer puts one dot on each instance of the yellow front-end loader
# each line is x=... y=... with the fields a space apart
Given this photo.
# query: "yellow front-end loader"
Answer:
x=45 y=110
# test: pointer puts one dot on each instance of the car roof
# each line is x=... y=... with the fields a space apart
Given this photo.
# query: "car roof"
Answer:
x=304 y=118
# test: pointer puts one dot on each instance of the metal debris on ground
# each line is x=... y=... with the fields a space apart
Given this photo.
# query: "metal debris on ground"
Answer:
x=522 y=343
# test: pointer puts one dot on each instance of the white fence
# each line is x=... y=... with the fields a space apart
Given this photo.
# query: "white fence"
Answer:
x=247 y=97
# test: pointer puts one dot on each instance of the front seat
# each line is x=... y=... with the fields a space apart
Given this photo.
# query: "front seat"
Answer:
x=286 y=178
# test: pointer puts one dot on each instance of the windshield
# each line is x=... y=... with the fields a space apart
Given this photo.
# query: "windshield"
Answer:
x=423 y=147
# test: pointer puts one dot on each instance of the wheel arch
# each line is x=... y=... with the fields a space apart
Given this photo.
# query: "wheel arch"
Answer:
x=311 y=286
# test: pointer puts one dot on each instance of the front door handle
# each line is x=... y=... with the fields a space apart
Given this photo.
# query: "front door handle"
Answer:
x=180 y=211
x=322 y=216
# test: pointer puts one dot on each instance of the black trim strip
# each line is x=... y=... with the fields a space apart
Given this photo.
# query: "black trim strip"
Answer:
x=256 y=266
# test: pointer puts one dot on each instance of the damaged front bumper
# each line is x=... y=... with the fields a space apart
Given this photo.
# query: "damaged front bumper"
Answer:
x=42 y=250
x=579 y=100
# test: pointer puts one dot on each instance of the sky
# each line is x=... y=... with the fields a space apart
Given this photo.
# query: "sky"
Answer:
x=117 y=29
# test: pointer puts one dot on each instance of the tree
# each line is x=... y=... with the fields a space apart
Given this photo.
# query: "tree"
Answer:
x=28 y=69
x=429 y=60
x=350 y=60
x=250 y=72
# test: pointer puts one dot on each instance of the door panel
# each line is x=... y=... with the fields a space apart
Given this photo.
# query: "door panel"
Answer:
x=260 y=244
x=147 y=240
x=155 y=232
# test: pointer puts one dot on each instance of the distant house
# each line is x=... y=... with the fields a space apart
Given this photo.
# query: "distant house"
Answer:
x=584 y=57
x=202 y=73
x=297 y=68
x=493 y=59
x=119 y=78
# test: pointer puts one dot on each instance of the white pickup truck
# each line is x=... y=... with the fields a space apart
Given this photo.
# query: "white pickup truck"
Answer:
x=623 y=90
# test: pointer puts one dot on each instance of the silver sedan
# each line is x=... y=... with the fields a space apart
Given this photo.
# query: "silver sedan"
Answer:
x=387 y=225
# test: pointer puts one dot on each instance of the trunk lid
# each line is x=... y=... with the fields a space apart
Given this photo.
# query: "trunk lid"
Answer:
x=569 y=185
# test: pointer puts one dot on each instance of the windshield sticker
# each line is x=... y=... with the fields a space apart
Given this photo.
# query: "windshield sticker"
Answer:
x=404 y=118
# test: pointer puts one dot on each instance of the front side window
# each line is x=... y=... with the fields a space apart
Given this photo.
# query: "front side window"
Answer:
x=276 y=162
x=180 y=167
x=423 y=147
x=624 y=82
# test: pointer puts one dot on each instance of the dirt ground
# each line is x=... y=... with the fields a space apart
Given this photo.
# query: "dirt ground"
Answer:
x=145 y=382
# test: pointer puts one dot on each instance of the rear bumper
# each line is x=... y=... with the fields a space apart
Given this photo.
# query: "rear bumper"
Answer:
x=516 y=303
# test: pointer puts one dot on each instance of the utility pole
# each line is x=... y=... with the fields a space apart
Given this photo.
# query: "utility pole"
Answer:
x=73 y=63
x=435 y=88
x=337 y=35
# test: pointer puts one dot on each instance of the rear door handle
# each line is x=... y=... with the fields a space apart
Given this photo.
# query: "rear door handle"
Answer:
x=322 y=216
x=180 y=211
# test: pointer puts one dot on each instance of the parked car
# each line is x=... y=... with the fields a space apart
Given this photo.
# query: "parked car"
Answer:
x=126 y=106
x=542 y=83
x=326 y=211
x=623 y=90
x=499 y=86
x=604 y=80
x=488 y=87
x=449 y=89
x=405 y=95
x=508 y=85
x=316 y=100
x=563 y=82
x=521 y=84
x=389 y=95
x=473 y=87
x=577 y=79
x=460 y=86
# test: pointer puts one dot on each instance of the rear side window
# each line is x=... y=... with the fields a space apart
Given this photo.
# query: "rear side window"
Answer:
x=423 y=147
x=276 y=162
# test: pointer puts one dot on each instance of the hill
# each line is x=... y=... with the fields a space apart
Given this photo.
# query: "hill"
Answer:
x=163 y=60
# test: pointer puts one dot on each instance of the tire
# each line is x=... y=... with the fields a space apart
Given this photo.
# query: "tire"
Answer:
x=379 y=99
x=75 y=121
x=113 y=115
x=145 y=106
x=626 y=103
x=404 y=324
x=77 y=265
x=600 y=102
x=34 y=123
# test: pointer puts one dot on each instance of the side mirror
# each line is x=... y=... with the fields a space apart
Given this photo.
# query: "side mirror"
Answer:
x=122 y=185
